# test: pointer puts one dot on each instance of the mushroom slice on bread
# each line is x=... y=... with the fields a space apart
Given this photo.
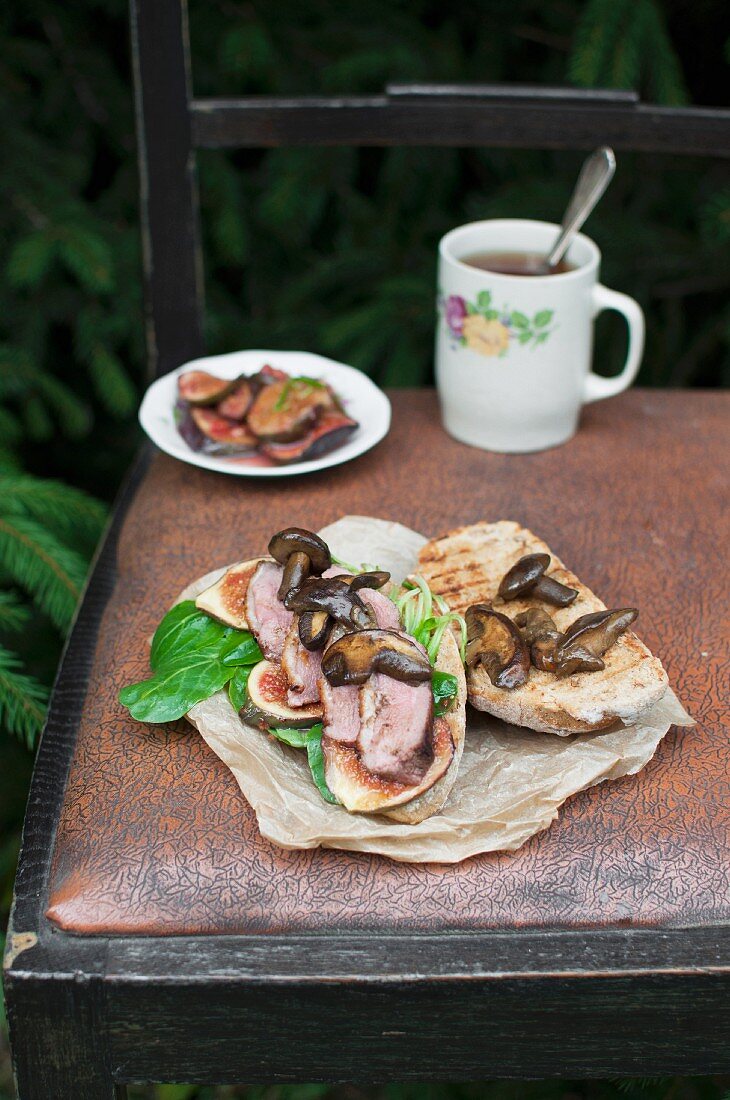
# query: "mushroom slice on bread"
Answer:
x=468 y=566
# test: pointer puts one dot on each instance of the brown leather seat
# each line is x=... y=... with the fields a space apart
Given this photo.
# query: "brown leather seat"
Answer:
x=155 y=836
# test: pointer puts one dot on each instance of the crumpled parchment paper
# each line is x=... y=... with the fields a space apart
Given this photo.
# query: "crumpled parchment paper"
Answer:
x=511 y=782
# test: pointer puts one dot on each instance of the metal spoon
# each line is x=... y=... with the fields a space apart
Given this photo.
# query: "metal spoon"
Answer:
x=594 y=178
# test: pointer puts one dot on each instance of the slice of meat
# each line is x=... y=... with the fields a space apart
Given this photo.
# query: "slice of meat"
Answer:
x=303 y=668
x=340 y=712
x=267 y=617
x=331 y=430
x=386 y=613
x=396 y=723
x=284 y=411
x=341 y=705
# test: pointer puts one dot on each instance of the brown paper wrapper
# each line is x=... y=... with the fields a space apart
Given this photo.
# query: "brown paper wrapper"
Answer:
x=511 y=782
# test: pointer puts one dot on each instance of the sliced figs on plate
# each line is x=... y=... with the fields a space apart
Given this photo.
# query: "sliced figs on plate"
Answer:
x=198 y=387
x=284 y=411
x=237 y=403
x=221 y=435
x=267 y=375
x=331 y=430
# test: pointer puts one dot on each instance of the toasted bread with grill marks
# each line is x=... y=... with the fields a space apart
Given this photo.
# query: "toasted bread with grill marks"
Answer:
x=465 y=567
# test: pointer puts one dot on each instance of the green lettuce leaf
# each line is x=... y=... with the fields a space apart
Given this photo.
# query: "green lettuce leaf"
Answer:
x=192 y=657
x=445 y=689
x=238 y=686
x=316 y=763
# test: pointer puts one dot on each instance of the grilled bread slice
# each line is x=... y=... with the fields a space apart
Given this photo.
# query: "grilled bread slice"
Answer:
x=466 y=565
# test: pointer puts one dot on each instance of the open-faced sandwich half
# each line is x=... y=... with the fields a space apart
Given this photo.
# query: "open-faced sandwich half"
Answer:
x=543 y=651
x=364 y=676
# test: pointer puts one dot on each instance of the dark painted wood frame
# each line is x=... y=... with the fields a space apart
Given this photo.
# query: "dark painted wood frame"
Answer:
x=88 y=1014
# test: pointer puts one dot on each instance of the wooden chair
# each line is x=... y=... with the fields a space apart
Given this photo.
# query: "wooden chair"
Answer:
x=156 y=936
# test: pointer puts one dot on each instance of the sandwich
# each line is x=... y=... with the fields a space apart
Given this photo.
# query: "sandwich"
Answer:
x=543 y=651
x=364 y=676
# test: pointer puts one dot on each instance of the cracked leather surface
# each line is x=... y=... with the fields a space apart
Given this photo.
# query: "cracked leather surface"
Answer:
x=155 y=836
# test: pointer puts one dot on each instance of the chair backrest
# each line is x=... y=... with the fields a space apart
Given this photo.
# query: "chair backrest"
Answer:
x=172 y=124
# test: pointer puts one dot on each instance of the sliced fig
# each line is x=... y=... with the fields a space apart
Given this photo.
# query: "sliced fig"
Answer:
x=267 y=375
x=237 y=403
x=198 y=387
x=284 y=411
x=226 y=599
x=222 y=435
x=331 y=431
x=268 y=703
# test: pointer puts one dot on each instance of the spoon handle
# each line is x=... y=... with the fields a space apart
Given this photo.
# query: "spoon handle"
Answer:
x=594 y=178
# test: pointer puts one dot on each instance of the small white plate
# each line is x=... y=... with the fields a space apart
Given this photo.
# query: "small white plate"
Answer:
x=361 y=398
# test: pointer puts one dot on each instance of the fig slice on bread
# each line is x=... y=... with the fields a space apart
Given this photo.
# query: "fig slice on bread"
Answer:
x=226 y=599
x=466 y=567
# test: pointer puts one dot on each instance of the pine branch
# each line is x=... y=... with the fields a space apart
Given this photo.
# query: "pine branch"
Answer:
x=68 y=512
x=111 y=383
x=30 y=259
x=21 y=379
x=49 y=571
x=14 y=614
x=23 y=700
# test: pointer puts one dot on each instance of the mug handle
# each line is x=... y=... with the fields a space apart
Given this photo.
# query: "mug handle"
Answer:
x=596 y=387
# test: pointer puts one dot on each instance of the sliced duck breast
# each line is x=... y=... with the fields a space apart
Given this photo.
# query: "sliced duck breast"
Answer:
x=386 y=613
x=303 y=668
x=267 y=617
x=396 y=723
x=340 y=712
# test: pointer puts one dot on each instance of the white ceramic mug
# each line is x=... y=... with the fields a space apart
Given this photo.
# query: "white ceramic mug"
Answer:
x=514 y=352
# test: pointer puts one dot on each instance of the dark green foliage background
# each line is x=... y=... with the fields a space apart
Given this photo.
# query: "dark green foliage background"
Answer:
x=331 y=250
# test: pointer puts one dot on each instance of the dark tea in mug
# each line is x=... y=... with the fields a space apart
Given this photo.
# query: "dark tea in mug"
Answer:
x=514 y=263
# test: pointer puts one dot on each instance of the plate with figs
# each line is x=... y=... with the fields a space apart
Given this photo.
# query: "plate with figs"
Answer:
x=265 y=413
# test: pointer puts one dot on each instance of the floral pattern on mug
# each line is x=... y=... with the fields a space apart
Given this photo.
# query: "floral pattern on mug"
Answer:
x=488 y=331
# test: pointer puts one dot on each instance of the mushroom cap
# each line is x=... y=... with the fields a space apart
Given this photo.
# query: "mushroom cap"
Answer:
x=335 y=596
x=354 y=657
x=313 y=628
x=536 y=623
x=494 y=642
x=554 y=592
x=597 y=631
x=376 y=578
x=296 y=571
x=523 y=575
x=294 y=540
